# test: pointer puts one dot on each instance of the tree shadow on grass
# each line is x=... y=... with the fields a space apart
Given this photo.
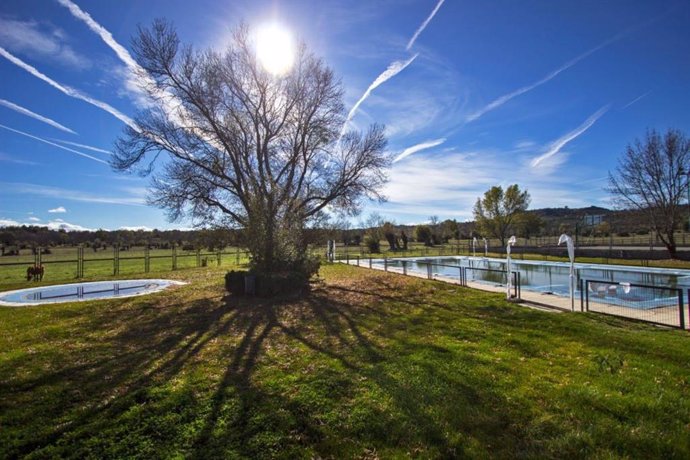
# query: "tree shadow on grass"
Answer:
x=123 y=352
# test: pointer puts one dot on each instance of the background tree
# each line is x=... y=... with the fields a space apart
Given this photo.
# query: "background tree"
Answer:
x=247 y=148
x=423 y=234
x=497 y=212
x=528 y=224
x=388 y=230
x=651 y=177
x=374 y=232
x=449 y=230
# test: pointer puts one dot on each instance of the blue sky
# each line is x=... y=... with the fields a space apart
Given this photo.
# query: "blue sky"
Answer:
x=473 y=94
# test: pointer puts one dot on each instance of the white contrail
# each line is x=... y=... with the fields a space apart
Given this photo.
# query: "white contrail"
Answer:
x=139 y=80
x=84 y=146
x=505 y=98
x=53 y=144
x=558 y=144
x=393 y=69
x=107 y=37
x=137 y=75
x=29 y=113
x=72 y=92
x=642 y=96
x=423 y=26
x=419 y=147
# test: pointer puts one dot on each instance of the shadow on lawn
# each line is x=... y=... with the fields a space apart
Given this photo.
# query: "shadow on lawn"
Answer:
x=128 y=349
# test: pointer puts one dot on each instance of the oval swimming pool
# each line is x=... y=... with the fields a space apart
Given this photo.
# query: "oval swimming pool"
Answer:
x=83 y=291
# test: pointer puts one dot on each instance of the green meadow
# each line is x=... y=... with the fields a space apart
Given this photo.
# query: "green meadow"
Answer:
x=366 y=365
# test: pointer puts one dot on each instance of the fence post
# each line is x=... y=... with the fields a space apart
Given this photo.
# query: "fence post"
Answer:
x=369 y=261
x=681 y=304
x=198 y=258
x=404 y=264
x=385 y=264
x=174 y=257
x=116 y=260
x=147 y=260
x=582 y=297
x=358 y=261
x=428 y=271
x=586 y=295
x=218 y=256
x=237 y=256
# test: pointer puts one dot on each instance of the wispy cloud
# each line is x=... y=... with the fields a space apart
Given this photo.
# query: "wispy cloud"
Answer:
x=84 y=146
x=33 y=39
x=9 y=223
x=10 y=159
x=137 y=228
x=559 y=143
x=58 y=210
x=637 y=99
x=70 y=195
x=57 y=224
x=69 y=91
x=423 y=26
x=40 y=139
x=393 y=69
x=66 y=226
x=419 y=147
x=29 y=113
x=422 y=185
x=550 y=76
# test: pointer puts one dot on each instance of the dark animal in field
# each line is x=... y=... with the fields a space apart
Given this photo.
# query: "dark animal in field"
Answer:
x=35 y=272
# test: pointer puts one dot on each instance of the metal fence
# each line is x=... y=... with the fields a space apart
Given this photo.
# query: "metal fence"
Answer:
x=458 y=274
x=653 y=304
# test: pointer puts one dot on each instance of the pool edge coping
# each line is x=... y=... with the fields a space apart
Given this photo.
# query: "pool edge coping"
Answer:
x=35 y=304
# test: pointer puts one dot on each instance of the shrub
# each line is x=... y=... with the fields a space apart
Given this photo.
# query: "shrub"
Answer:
x=288 y=282
x=372 y=243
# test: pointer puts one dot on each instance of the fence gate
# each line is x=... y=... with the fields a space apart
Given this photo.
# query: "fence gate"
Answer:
x=653 y=304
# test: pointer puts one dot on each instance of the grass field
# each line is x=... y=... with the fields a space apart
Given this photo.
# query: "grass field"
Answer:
x=61 y=264
x=367 y=365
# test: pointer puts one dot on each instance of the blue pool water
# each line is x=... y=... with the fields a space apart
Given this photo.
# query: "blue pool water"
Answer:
x=83 y=291
x=612 y=283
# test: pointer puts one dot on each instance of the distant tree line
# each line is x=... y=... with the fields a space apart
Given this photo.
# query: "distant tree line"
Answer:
x=13 y=239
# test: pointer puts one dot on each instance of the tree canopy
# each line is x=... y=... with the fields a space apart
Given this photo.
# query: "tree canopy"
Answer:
x=497 y=212
x=245 y=148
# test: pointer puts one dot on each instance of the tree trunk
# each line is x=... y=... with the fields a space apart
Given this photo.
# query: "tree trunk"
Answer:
x=672 y=251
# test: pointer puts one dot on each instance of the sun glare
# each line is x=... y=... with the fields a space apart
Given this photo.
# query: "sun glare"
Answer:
x=274 y=48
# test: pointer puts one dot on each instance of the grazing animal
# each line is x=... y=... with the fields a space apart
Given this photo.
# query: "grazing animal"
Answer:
x=35 y=272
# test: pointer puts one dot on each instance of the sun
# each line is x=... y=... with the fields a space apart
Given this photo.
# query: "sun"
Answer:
x=275 y=48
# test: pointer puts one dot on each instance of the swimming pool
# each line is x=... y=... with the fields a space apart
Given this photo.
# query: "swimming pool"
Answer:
x=612 y=281
x=83 y=291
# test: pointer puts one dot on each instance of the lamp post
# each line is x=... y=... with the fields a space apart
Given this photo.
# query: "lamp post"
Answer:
x=509 y=280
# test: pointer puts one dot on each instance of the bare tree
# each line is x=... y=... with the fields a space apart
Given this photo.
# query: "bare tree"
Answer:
x=651 y=177
x=246 y=148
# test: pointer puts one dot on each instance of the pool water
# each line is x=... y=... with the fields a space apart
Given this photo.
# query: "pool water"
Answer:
x=83 y=291
x=553 y=277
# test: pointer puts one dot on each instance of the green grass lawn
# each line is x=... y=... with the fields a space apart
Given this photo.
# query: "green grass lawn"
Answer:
x=367 y=365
